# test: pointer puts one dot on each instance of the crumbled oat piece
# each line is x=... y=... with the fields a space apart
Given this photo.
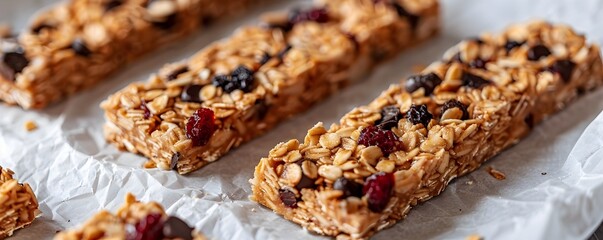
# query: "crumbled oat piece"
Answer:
x=474 y=237
x=18 y=204
x=30 y=125
x=496 y=174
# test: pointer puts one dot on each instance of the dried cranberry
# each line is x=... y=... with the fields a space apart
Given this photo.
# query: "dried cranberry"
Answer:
x=564 y=68
x=201 y=126
x=148 y=228
x=349 y=188
x=510 y=45
x=386 y=140
x=537 y=52
x=175 y=228
x=174 y=74
x=390 y=115
x=79 y=46
x=378 y=189
x=419 y=114
x=241 y=78
x=12 y=63
x=288 y=198
x=428 y=82
x=191 y=93
x=478 y=63
x=402 y=12
x=453 y=103
x=319 y=15
x=473 y=81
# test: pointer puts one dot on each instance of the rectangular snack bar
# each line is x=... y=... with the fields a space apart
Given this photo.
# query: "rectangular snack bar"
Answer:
x=18 y=204
x=78 y=43
x=134 y=220
x=193 y=112
x=365 y=173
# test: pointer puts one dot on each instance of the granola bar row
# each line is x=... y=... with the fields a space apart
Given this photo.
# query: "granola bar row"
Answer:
x=133 y=221
x=18 y=204
x=191 y=113
x=364 y=174
x=78 y=43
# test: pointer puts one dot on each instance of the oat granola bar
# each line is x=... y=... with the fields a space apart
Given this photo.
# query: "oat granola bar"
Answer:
x=18 y=204
x=133 y=221
x=78 y=43
x=365 y=173
x=193 y=112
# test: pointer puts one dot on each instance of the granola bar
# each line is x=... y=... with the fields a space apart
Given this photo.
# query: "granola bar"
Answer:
x=134 y=220
x=18 y=204
x=193 y=112
x=365 y=173
x=78 y=43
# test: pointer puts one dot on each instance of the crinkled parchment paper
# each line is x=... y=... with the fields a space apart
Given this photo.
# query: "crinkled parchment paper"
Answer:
x=547 y=195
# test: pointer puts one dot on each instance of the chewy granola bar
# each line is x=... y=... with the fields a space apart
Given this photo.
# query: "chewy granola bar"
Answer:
x=78 y=43
x=193 y=112
x=133 y=221
x=18 y=204
x=365 y=173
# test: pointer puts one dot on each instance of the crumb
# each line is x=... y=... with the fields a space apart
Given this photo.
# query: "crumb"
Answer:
x=496 y=174
x=543 y=173
x=30 y=126
x=68 y=220
x=474 y=237
x=417 y=68
x=253 y=209
x=470 y=182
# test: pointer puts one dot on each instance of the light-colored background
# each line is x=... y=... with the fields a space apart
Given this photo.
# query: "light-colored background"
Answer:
x=75 y=173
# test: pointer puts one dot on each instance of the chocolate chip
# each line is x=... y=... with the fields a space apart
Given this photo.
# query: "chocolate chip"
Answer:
x=175 y=228
x=191 y=93
x=13 y=63
x=111 y=4
x=537 y=52
x=402 y=12
x=174 y=162
x=38 y=28
x=473 y=81
x=79 y=47
x=349 y=188
x=564 y=68
x=428 y=82
x=288 y=198
x=390 y=115
x=510 y=45
x=174 y=74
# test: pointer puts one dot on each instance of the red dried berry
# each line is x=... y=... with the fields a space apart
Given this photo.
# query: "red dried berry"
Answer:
x=148 y=228
x=386 y=140
x=319 y=15
x=201 y=126
x=378 y=190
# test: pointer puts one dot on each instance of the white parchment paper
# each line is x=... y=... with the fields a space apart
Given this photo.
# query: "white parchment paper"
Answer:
x=548 y=194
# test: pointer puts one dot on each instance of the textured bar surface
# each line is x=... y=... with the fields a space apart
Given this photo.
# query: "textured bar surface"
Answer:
x=78 y=43
x=238 y=88
x=365 y=173
x=18 y=204
x=134 y=220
